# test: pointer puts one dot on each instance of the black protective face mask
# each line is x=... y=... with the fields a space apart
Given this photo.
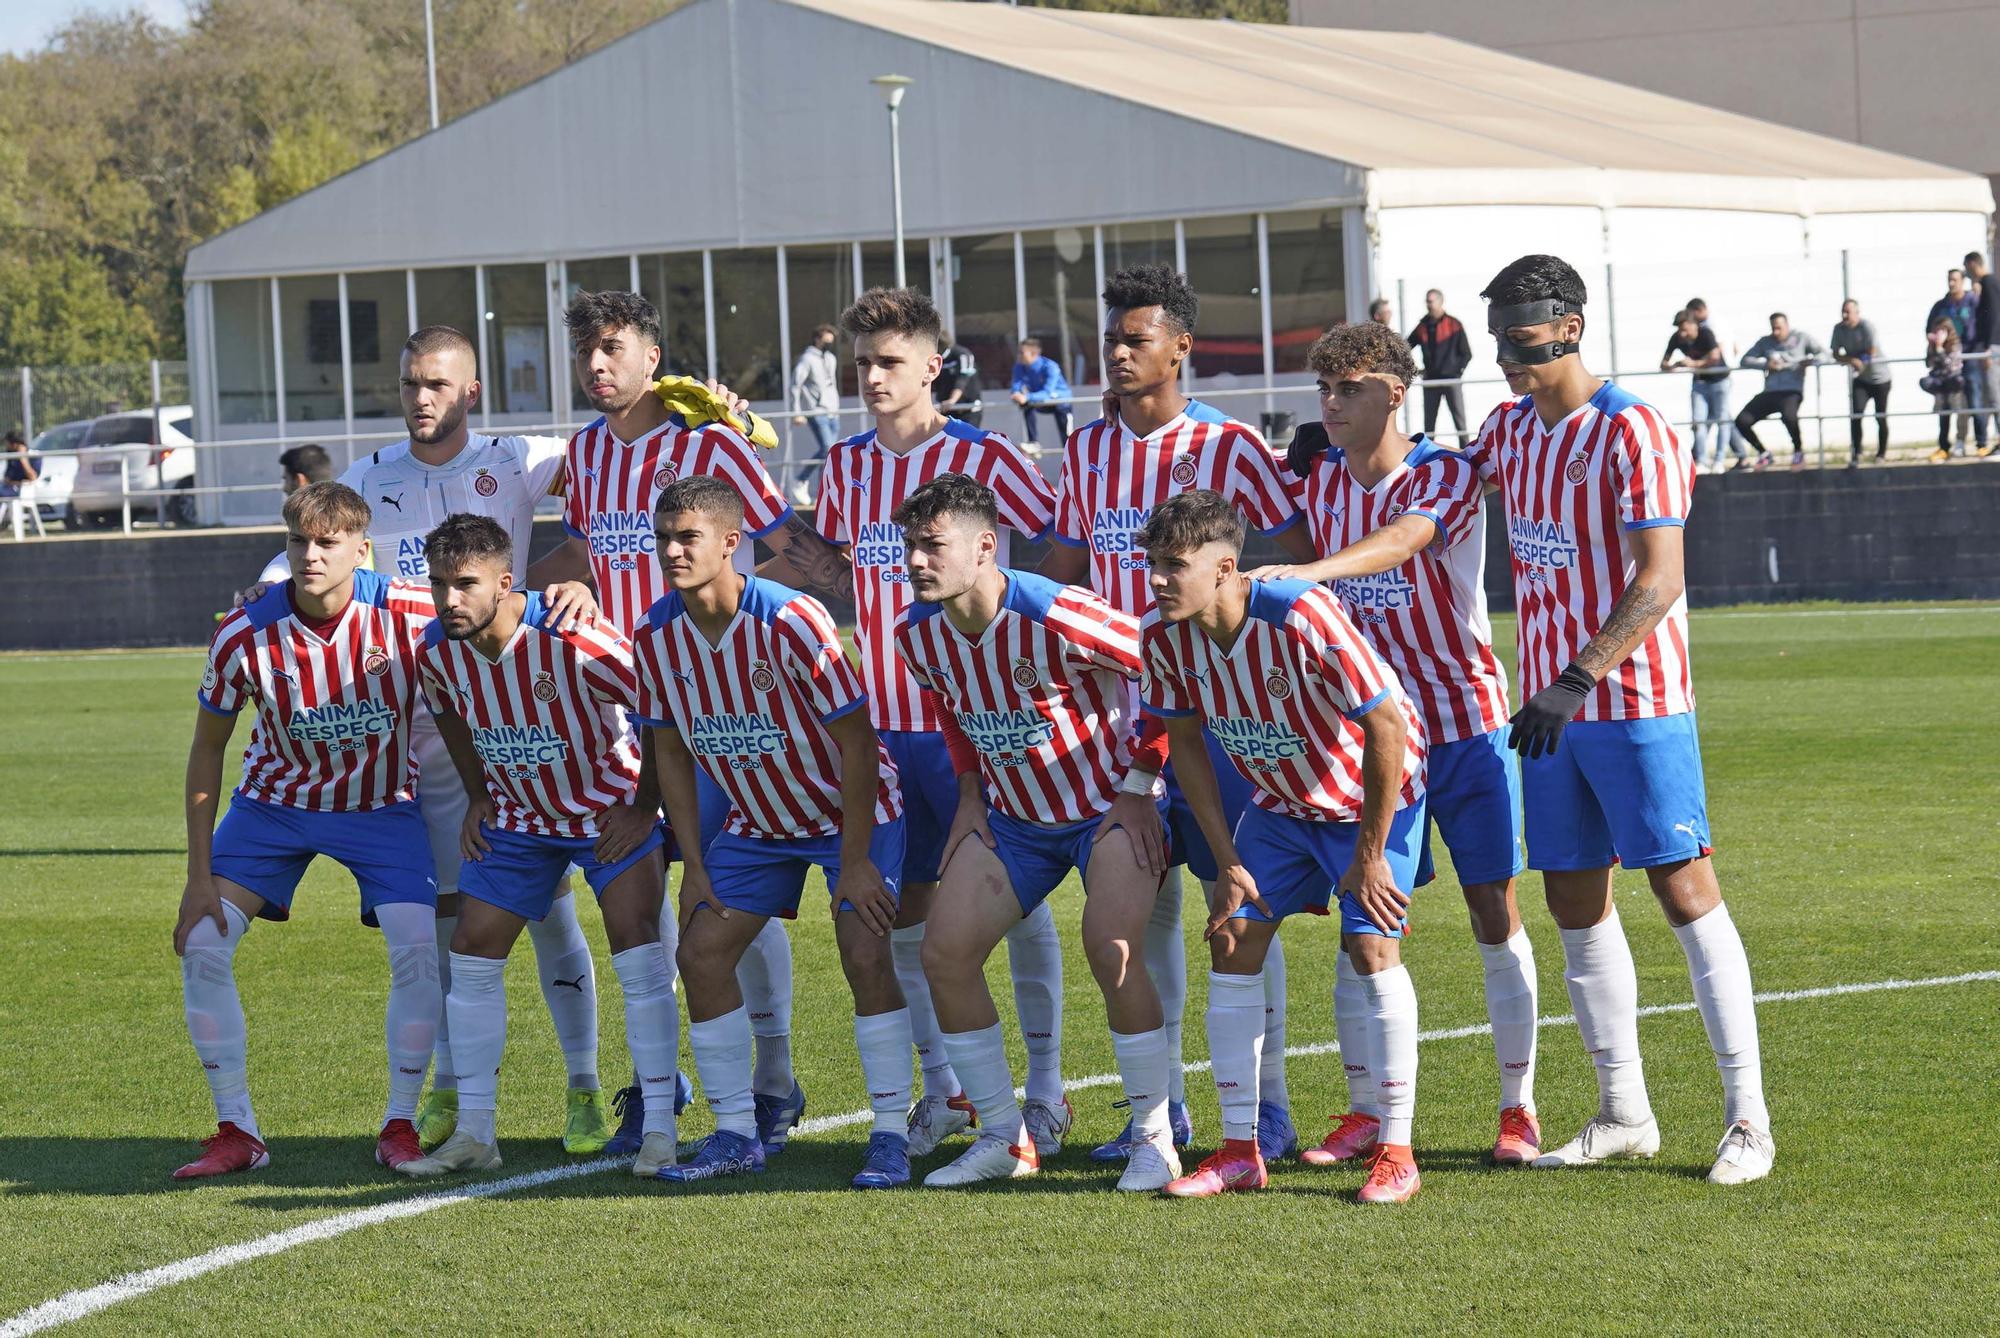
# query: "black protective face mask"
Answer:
x=1499 y=320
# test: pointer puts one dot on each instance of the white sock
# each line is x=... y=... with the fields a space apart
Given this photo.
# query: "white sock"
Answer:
x=1511 y=1004
x=1350 y=1028
x=214 y=1012
x=1034 y=955
x=884 y=1043
x=1392 y=1036
x=444 y=1076
x=906 y=946
x=1271 y=1077
x=1721 y=974
x=1166 y=963
x=980 y=1058
x=721 y=1048
x=569 y=987
x=1604 y=992
x=416 y=1003
x=652 y=1030
x=1235 y=1048
x=478 y=1007
x=1142 y=1066
x=764 y=973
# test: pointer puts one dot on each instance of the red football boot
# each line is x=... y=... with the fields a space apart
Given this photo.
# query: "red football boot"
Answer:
x=227 y=1149
x=1354 y=1136
x=396 y=1144
x=1392 y=1176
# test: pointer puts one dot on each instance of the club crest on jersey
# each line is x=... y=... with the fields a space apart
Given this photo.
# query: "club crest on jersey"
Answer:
x=1024 y=673
x=375 y=660
x=1577 y=467
x=761 y=677
x=664 y=476
x=485 y=484
x=545 y=686
x=1183 y=470
x=1277 y=685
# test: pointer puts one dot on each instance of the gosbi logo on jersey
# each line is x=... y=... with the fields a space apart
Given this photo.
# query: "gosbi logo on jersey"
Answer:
x=1183 y=470
x=375 y=660
x=545 y=686
x=1024 y=673
x=664 y=476
x=484 y=483
x=1278 y=685
x=761 y=677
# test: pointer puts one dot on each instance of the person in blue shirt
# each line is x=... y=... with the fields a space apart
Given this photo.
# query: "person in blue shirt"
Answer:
x=1040 y=388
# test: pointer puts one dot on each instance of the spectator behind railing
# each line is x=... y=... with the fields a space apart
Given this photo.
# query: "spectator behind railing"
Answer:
x=22 y=468
x=957 y=387
x=1694 y=349
x=1961 y=307
x=302 y=465
x=816 y=392
x=1784 y=354
x=1041 y=388
x=1944 y=380
x=1447 y=353
x=1380 y=312
x=1984 y=338
x=1855 y=348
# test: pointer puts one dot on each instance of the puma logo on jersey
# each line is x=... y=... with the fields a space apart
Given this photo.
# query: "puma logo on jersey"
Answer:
x=396 y=501
x=682 y=675
x=284 y=676
x=1095 y=469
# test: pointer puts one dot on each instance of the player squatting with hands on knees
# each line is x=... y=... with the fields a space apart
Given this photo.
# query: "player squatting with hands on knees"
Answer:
x=1595 y=487
x=896 y=335
x=1318 y=722
x=1400 y=523
x=1032 y=682
x=1153 y=443
x=535 y=721
x=748 y=679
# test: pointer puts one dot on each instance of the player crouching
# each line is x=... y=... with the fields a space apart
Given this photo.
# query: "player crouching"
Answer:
x=534 y=718
x=1030 y=681
x=749 y=678
x=329 y=659
x=1319 y=724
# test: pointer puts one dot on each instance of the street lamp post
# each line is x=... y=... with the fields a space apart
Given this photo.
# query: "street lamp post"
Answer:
x=893 y=87
x=431 y=61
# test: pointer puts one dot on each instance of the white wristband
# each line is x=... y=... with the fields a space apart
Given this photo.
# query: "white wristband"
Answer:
x=1137 y=782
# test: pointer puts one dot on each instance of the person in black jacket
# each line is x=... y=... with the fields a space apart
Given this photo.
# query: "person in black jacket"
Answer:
x=1447 y=353
x=957 y=386
x=1984 y=340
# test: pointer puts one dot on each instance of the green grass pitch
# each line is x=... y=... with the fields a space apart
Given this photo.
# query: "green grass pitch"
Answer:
x=1852 y=781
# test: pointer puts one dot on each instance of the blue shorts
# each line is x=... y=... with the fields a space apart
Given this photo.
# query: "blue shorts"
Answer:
x=264 y=848
x=521 y=873
x=1236 y=789
x=1297 y=864
x=1038 y=856
x=1617 y=791
x=1472 y=795
x=930 y=798
x=766 y=875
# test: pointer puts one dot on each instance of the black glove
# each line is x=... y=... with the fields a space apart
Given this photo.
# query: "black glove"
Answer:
x=1539 y=722
x=1308 y=444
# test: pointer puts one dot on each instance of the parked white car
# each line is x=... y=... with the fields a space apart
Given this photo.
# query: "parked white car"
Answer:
x=157 y=461
x=50 y=493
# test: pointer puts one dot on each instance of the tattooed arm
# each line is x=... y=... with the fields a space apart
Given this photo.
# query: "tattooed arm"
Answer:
x=807 y=562
x=1657 y=581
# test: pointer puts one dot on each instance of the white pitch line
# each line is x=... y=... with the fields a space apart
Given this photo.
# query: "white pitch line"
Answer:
x=1781 y=612
x=89 y=1300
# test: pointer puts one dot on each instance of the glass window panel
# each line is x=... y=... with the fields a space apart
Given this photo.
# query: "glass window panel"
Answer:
x=982 y=299
x=878 y=264
x=246 y=388
x=602 y=274
x=1229 y=333
x=449 y=297
x=1061 y=269
x=1129 y=244
x=378 y=318
x=309 y=316
x=672 y=283
x=819 y=285
x=517 y=339
x=1308 y=287
x=746 y=323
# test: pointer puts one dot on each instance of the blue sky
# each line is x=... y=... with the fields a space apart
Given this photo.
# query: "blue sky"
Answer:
x=25 y=25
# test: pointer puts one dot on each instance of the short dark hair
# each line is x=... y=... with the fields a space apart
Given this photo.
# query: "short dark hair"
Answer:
x=1155 y=285
x=1536 y=279
x=704 y=495
x=591 y=314
x=1369 y=346
x=1380 y=304
x=16 y=437
x=440 y=339
x=948 y=495
x=904 y=311
x=1974 y=258
x=1187 y=521
x=1683 y=316
x=1781 y=316
x=819 y=330
x=311 y=461
x=1954 y=270
x=464 y=537
x=1695 y=304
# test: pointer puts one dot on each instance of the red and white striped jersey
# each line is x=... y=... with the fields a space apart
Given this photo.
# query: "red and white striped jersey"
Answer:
x=1043 y=694
x=611 y=485
x=860 y=488
x=333 y=713
x=1111 y=481
x=754 y=707
x=1572 y=493
x=1284 y=698
x=547 y=718
x=1427 y=618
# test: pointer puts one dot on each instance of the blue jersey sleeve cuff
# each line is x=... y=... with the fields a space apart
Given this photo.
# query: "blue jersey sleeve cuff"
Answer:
x=572 y=531
x=783 y=516
x=848 y=709
x=1057 y=536
x=1284 y=525
x=1368 y=705
x=213 y=709
x=649 y=720
x=1164 y=712
x=1043 y=535
x=1656 y=523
